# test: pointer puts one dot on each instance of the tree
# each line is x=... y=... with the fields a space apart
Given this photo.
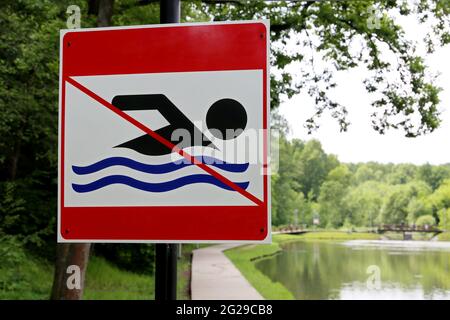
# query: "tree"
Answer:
x=441 y=197
x=397 y=207
x=433 y=175
x=77 y=253
x=363 y=173
x=365 y=201
x=302 y=209
x=394 y=210
x=312 y=167
x=426 y=220
x=417 y=208
x=29 y=117
x=401 y=174
x=284 y=185
x=444 y=219
x=69 y=255
x=330 y=31
x=333 y=209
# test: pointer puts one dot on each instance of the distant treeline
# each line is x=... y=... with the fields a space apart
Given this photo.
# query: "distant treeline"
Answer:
x=315 y=184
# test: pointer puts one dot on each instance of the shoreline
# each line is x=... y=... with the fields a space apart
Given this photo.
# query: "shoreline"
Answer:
x=244 y=257
x=413 y=245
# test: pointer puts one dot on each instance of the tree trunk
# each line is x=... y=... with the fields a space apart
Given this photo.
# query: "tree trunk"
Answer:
x=93 y=7
x=105 y=11
x=72 y=258
x=68 y=283
x=14 y=161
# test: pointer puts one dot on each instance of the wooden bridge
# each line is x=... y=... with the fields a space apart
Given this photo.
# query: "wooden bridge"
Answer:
x=408 y=229
x=399 y=228
x=291 y=230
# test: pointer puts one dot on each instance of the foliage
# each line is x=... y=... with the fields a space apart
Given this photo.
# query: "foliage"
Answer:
x=444 y=236
x=433 y=175
x=331 y=36
x=398 y=202
x=444 y=219
x=28 y=119
x=364 y=202
x=106 y=281
x=22 y=276
x=302 y=169
x=333 y=209
x=11 y=253
x=132 y=257
x=355 y=195
x=313 y=167
x=426 y=220
x=441 y=197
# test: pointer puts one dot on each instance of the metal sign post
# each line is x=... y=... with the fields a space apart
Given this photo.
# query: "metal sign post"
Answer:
x=166 y=254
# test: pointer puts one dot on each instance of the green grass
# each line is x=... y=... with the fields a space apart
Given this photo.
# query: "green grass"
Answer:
x=32 y=278
x=184 y=272
x=445 y=236
x=337 y=236
x=106 y=281
x=244 y=258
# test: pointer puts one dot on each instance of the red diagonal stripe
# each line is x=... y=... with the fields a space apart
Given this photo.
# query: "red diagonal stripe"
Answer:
x=164 y=141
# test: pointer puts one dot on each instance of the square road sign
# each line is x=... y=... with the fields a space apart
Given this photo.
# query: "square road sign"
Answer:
x=163 y=133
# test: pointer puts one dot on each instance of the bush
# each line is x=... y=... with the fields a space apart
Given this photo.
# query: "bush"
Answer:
x=131 y=257
x=426 y=220
x=444 y=218
x=28 y=212
x=12 y=257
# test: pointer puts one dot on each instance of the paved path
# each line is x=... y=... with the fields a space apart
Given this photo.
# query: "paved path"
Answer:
x=214 y=276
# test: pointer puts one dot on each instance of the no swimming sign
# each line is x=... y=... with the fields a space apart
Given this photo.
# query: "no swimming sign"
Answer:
x=163 y=134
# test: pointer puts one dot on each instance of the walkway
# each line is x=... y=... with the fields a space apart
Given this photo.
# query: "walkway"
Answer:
x=214 y=276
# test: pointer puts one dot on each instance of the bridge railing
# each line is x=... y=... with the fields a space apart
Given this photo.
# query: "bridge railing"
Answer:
x=407 y=228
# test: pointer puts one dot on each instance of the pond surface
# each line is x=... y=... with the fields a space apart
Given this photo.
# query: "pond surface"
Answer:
x=361 y=270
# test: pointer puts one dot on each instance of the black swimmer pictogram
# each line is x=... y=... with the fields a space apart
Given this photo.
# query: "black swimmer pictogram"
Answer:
x=223 y=115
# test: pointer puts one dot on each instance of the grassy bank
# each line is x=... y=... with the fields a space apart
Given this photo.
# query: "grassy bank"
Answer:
x=244 y=258
x=30 y=277
x=23 y=276
x=106 y=281
x=333 y=236
x=444 y=236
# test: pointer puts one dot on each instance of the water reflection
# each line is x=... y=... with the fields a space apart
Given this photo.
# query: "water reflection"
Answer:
x=319 y=270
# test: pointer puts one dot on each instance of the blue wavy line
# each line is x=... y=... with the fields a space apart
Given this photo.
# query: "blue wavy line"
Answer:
x=154 y=187
x=157 y=169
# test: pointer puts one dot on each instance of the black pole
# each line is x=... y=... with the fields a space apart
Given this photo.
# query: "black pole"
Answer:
x=166 y=271
x=161 y=269
x=169 y=11
x=166 y=254
x=172 y=272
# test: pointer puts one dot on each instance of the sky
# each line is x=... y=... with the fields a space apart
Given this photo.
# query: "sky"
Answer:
x=361 y=143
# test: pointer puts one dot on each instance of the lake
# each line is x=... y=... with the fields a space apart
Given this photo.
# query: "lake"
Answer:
x=362 y=269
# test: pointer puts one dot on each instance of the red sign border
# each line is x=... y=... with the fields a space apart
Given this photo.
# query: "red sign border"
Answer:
x=125 y=224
